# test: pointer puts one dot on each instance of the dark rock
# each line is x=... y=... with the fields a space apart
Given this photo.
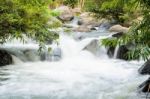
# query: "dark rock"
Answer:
x=145 y=86
x=5 y=58
x=145 y=69
x=80 y=22
x=43 y=56
x=65 y=18
x=110 y=52
x=121 y=53
x=93 y=28
x=118 y=35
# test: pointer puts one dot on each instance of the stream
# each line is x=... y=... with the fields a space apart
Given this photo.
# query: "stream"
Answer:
x=78 y=75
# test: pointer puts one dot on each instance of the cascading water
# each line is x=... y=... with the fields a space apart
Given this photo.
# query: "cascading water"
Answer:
x=78 y=75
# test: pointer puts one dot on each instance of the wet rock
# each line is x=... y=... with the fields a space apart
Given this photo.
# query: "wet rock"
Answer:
x=118 y=28
x=145 y=86
x=94 y=28
x=80 y=22
x=5 y=58
x=54 y=55
x=31 y=55
x=110 y=52
x=106 y=23
x=121 y=53
x=92 y=46
x=57 y=54
x=118 y=35
x=145 y=69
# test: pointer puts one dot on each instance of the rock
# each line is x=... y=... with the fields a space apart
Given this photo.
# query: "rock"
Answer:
x=104 y=23
x=145 y=69
x=31 y=55
x=87 y=20
x=121 y=53
x=118 y=28
x=94 y=28
x=145 y=86
x=110 y=52
x=65 y=17
x=76 y=11
x=118 y=35
x=54 y=55
x=92 y=46
x=5 y=58
x=82 y=29
x=66 y=13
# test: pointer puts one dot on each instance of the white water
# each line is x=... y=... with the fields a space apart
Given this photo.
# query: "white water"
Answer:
x=79 y=75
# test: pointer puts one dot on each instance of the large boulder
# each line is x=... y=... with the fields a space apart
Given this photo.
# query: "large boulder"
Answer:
x=118 y=28
x=122 y=52
x=93 y=46
x=145 y=69
x=5 y=58
x=110 y=51
x=145 y=86
x=118 y=52
x=88 y=20
x=66 y=13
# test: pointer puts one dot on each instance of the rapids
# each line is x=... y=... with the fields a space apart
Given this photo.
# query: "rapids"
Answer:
x=78 y=75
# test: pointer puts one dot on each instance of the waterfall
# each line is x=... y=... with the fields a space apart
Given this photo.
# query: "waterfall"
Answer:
x=116 y=51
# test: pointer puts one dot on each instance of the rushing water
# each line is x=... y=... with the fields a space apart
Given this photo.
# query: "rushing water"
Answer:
x=78 y=75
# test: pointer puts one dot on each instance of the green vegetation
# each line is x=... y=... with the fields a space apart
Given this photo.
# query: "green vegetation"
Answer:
x=26 y=17
x=71 y=3
x=120 y=10
x=138 y=34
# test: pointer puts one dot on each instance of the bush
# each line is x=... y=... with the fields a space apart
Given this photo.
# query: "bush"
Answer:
x=25 y=17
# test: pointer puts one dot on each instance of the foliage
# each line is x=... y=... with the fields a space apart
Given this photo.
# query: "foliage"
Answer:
x=110 y=42
x=120 y=10
x=139 y=34
x=25 y=17
x=71 y=3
